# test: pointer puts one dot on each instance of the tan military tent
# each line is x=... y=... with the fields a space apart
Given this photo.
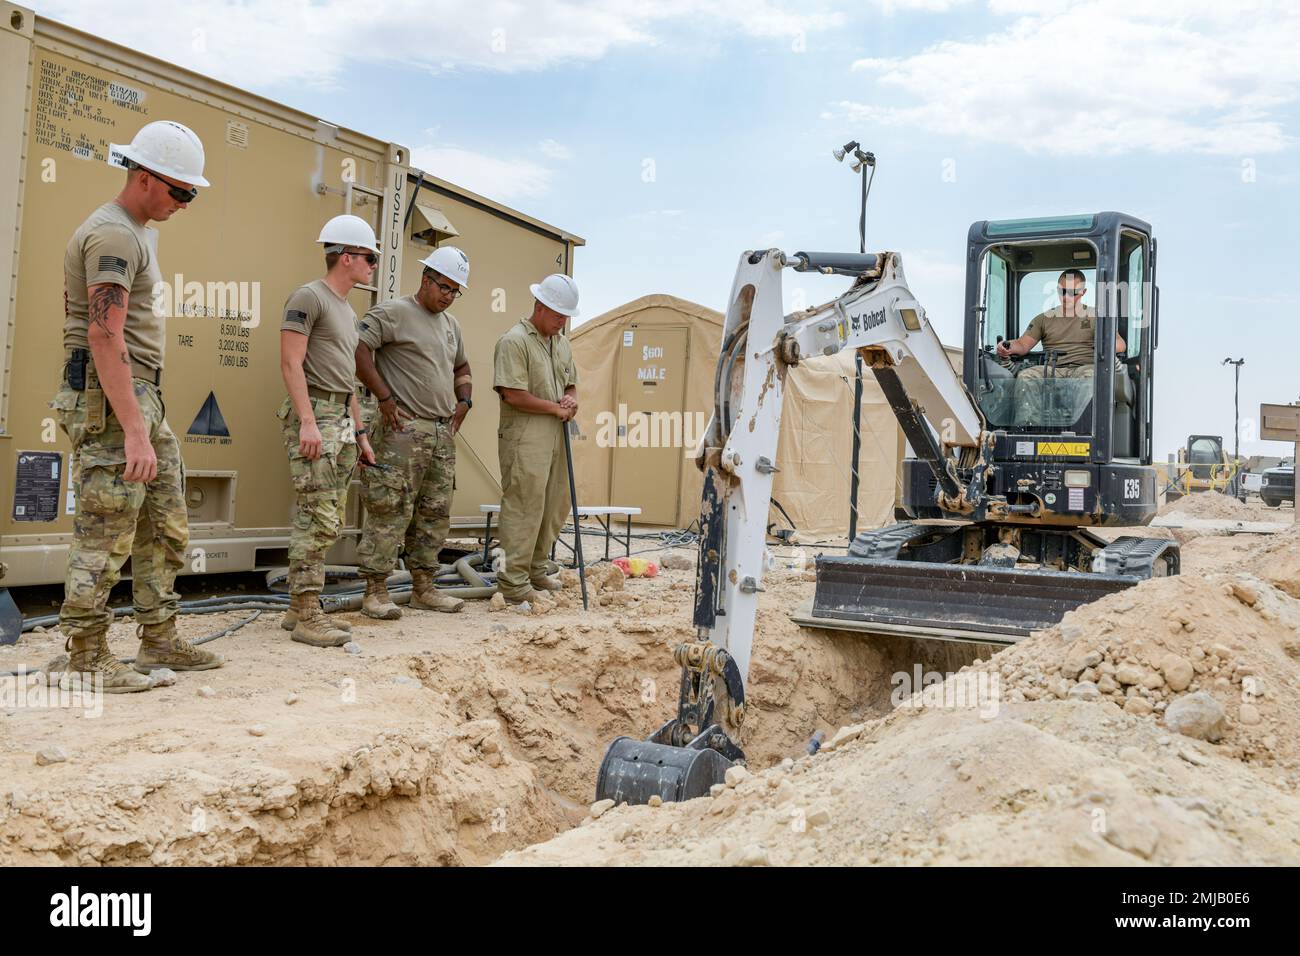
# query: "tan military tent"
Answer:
x=647 y=371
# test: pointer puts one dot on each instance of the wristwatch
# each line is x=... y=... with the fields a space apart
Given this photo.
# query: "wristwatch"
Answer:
x=469 y=402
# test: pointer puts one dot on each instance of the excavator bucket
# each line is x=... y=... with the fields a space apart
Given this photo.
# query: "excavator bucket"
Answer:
x=957 y=602
x=635 y=770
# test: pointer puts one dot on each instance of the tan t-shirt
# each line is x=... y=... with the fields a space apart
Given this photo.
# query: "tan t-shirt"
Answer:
x=1071 y=336
x=416 y=352
x=330 y=325
x=112 y=248
x=524 y=359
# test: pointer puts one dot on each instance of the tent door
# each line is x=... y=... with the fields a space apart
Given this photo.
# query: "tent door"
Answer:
x=651 y=385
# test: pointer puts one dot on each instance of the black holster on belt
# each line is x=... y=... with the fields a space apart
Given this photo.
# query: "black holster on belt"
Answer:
x=76 y=369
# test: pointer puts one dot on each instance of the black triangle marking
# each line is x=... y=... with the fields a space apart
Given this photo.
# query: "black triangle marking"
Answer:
x=209 y=420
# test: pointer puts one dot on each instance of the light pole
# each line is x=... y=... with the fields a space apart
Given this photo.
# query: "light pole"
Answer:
x=1236 y=423
x=862 y=161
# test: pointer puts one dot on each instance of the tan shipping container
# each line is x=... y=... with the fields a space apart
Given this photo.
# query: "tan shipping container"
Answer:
x=229 y=262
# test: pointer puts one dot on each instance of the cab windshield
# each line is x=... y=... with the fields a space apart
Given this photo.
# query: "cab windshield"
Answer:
x=1050 y=387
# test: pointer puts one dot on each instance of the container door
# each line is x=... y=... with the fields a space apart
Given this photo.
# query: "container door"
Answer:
x=650 y=400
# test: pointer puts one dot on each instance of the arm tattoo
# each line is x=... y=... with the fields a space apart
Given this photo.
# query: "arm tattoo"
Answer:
x=106 y=297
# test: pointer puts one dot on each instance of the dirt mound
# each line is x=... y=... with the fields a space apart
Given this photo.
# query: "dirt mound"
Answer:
x=1157 y=725
x=1212 y=504
x=1064 y=783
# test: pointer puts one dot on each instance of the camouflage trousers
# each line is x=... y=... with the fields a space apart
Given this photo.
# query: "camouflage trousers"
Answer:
x=1037 y=394
x=408 y=496
x=534 y=497
x=117 y=519
x=320 y=490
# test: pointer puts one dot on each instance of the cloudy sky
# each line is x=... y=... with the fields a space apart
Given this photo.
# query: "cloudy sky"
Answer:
x=675 y=135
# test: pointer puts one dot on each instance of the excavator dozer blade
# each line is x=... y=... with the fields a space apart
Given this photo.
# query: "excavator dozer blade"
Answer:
x=635 y=770
x=949 y=601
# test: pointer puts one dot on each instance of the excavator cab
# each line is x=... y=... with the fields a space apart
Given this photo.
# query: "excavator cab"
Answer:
x=1205 y=455
x=1072 y=416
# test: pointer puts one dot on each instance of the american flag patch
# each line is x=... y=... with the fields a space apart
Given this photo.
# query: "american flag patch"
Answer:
x=112 y=264
x=296 y=315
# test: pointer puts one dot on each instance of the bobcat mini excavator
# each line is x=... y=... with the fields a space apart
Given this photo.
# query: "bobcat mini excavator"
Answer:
x=1010 y=470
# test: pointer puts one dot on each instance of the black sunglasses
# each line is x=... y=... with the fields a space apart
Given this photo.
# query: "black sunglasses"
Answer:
x=370 y=257
x=176 y=192
x=1073 y=292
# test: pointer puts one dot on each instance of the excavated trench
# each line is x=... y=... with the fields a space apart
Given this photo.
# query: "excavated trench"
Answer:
x=451 y=741
x=542 y=718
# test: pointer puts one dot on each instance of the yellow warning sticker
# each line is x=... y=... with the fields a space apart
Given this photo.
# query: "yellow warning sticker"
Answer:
x=1076 y=448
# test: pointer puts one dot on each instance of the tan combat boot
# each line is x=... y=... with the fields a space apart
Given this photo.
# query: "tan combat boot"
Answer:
x=161 y=646
x=377 y=603
x=313 y=627
x=425 y=595
x=96 y=667
x=290 y=621
x=547 y=583
x=529 y=597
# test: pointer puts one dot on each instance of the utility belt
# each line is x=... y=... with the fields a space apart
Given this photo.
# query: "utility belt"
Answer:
x=80 y=375
x=80 y=367
x=418 y=420
x=421 y=418
x=339 y=398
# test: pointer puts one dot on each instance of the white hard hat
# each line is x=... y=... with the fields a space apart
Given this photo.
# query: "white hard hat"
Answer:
x=450 y=262
x=165 y=148
x=348 y=231
x=557 y=292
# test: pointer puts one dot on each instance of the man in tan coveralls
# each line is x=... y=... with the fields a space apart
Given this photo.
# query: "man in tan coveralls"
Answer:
x=1069 y=332
x=127 y=474
x=320 y=418
x=411 y=356
x=534 y=374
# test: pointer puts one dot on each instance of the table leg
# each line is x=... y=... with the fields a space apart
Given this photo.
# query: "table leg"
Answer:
x=487 y=540
x=629 y=536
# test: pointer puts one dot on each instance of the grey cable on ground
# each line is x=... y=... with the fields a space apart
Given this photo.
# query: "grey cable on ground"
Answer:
x=24 y=669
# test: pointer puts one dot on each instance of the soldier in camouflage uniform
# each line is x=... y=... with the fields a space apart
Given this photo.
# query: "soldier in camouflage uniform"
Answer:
x=127 y=474
x=320 y=418
x=412 y=357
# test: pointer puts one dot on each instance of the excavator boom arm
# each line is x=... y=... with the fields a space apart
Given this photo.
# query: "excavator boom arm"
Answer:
x=880 y=318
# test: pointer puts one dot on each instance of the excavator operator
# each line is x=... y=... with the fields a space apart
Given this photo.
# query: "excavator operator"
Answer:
x=1067 y=334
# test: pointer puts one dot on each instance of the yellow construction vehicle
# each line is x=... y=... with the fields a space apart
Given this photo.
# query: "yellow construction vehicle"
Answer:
x=1203 y=465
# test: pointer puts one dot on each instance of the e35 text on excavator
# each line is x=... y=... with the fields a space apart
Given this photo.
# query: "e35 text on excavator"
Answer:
x=1046 y=435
